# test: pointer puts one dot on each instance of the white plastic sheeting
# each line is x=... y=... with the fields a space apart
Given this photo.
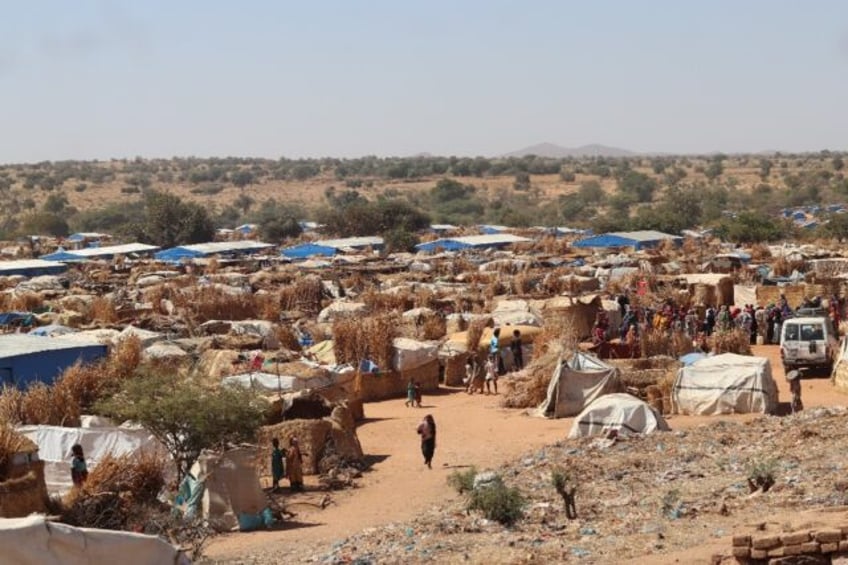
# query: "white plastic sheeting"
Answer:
x=576 y=383
x=621 y=413
x=411 y=354
x=54 y=448
x=35 y=541
x=270 y=382
x=725 y=384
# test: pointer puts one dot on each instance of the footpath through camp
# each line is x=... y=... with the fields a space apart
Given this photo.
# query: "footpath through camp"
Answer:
x=673 y=497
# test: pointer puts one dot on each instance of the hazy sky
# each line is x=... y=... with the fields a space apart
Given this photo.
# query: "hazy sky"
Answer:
x=100 y=79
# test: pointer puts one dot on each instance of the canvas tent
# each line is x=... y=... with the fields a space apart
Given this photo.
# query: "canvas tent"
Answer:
x=231 y=487
x=576 y=383
x=725 y=384
x=36 y=541
x=54 y=447
x=621 y=413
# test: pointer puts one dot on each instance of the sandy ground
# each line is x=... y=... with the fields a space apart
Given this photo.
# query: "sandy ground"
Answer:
x=472 y=430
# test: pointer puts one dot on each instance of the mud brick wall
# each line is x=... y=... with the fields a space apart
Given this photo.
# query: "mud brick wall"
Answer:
x=832 y=542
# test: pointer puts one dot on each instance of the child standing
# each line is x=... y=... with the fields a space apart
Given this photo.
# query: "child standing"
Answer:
x=410 y=394
x=277 y=464
x=79 y=470
x=417 y=395
x=491 y=375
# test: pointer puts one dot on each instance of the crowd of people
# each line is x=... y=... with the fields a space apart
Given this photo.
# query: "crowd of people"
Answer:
x=762 y=323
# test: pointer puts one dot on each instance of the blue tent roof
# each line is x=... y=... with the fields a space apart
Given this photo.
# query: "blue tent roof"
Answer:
x=305 y=250
x=176 y=254
x=443 y=244
x=637 y=240
x=61 y=255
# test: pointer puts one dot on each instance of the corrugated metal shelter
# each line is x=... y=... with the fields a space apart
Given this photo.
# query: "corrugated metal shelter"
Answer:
x=305 y=250
x=26 y=358
x=472 y=242
x=31 y=267
x=99 y=252
x=374 y=242
x=636 y=239
x=194 y=251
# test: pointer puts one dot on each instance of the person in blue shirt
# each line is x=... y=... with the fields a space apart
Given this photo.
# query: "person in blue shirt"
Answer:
x=495 y=343
x=79 y=470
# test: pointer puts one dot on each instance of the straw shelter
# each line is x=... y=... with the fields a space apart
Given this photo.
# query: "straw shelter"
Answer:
x=22 y=487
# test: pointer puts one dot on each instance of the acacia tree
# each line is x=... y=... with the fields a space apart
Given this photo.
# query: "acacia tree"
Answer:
x=168 y=221
x=186 y=417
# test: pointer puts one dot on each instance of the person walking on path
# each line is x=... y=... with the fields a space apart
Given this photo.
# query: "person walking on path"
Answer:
x=277 y=464
x=794 y=378
x=294 y=465
x=410 y=394
x=427 y=431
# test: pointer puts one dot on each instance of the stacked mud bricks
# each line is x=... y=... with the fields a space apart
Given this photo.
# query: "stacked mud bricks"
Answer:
x=753 y=549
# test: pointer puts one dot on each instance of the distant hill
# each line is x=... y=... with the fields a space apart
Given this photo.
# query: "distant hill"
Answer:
x=557 y=151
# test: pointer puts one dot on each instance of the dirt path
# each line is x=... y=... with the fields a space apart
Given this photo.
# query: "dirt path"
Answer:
x=473 y=430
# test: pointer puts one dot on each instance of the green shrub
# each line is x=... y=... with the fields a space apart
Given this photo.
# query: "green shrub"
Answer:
x=463 y=481
x=498 y=502
x=761 y=474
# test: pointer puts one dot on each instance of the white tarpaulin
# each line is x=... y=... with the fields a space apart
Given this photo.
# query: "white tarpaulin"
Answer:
x=577 y=382
x=36 y=541
x=411 y=354
x=622 y=413
x=743 y=295
x=725 y=384
x=54 y=448
x=231 y=486
x=286 y=383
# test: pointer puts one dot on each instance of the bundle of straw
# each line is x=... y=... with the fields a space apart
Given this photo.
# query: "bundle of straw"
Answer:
x=365 y=338
x=735 y=341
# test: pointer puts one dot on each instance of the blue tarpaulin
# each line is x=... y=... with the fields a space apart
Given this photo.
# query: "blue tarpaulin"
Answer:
x=308 y=250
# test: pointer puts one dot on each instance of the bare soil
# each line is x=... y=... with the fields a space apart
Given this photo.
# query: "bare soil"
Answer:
x=472 y=430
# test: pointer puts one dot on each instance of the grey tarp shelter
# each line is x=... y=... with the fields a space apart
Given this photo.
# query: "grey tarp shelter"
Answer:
x=576 y=383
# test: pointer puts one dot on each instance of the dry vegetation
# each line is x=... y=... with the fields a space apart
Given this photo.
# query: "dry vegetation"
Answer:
x=365 y=338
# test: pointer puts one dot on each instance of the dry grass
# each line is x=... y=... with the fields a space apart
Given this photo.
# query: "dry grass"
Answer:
x=287 y=338
x=24 y=302
x=11 y=406
x=475 y=332
x=529 y=388
x=657 y=342
x=365 y=338
x=304 y=294
x=734 y=341
x=139 y=476
x=558 y=334
x=387 y=302
x=102 y=310
x=434 y=327
x=49 y=406
x=11 y=443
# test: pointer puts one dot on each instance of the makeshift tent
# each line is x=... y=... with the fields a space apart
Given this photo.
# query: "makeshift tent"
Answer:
x=620 y=413
x=635 y=239
x=34 y=540
x=54 y=447
x=725 y=384
x=232 y=491
x=576 y=383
